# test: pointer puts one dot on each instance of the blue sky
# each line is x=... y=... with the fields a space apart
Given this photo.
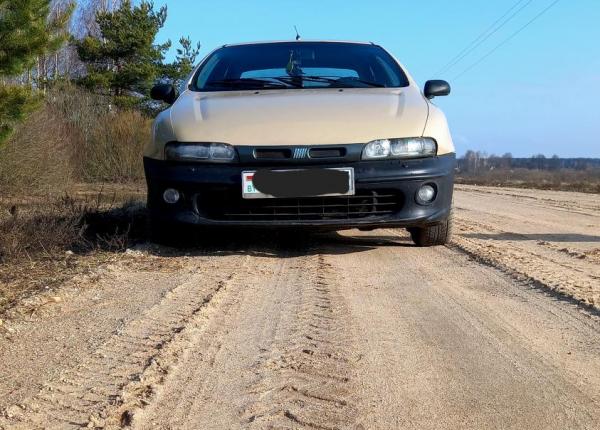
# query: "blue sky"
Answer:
x=537 y=94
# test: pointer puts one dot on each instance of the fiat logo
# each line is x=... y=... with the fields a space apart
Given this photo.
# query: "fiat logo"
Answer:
x=300 y=153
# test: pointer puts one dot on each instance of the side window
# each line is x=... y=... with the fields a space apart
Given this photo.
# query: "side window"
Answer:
x=207 y=70
x=183 y=85
x=386 y=72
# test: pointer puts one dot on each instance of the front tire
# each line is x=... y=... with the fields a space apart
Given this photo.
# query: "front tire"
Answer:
x=433 y=235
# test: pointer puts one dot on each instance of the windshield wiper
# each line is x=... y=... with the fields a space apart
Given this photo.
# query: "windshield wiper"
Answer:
x=279 y=82
x=253 y=82
x=296 y=80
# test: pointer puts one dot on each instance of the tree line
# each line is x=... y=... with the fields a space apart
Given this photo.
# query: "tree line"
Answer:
x=478 y=161
x=106 y=46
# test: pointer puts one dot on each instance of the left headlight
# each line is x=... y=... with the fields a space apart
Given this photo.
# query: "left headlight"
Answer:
x=215 y=152
x=412 y=147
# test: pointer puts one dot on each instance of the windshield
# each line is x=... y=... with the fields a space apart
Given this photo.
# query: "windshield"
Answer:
x=289 y=65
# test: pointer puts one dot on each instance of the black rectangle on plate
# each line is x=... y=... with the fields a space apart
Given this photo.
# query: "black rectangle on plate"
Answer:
x=302 y=183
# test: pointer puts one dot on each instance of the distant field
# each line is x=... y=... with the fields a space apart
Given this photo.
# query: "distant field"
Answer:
x=585 y=181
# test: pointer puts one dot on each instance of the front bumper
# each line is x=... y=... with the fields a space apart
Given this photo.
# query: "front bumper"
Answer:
x=385 y=195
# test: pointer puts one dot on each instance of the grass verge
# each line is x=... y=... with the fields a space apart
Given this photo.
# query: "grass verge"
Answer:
x=44 y=241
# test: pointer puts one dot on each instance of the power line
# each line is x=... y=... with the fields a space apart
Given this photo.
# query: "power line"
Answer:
x=489 y=32
x=505 y=41
x=445 y=67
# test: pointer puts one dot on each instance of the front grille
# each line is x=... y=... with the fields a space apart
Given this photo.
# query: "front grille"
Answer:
x=298 y=153
x=272 y=153
x=232 y=207
x=327 y=152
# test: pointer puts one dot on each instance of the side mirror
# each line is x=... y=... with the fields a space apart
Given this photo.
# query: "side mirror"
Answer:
x=436 y=88
x=164 y=93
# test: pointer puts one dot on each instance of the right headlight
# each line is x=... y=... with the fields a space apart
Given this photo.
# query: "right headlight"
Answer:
x=411 y=147
x=215 y=152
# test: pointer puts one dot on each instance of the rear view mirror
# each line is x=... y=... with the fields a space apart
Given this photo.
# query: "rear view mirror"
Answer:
x=436 y=88
x=164 y=93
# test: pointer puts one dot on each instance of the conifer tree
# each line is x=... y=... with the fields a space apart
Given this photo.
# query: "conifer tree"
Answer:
x=124 y=60
x=26 y=32
x=184 y=62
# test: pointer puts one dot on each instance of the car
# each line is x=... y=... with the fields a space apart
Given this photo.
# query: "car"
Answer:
x=301 y=134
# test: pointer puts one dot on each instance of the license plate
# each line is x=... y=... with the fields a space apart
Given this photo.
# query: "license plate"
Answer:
x=298 y=183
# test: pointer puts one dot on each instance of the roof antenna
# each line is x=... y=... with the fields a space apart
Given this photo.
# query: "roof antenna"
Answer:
x=297 y=34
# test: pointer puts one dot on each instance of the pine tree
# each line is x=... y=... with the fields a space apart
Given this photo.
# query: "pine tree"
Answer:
x=25 y=33
x=184 y=62
x=124 y=60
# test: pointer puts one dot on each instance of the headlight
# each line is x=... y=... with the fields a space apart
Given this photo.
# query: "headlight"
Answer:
x=412 y=147
x=377 y=149
x=217 y=152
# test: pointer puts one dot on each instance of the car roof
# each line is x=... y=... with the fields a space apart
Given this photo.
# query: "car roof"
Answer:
x=267 y=42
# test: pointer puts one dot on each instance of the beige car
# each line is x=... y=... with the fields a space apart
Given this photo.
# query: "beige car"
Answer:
x=317 y=135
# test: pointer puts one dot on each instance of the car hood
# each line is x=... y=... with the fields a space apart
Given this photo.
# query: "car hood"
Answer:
x=299 y=117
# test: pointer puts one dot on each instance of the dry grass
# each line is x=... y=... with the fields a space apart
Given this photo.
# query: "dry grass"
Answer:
x=114 y=151
x=107 y=142
x=45 y=240
x=68 y=224
x=36 y=160
x=50 y=223
x=75 y=137
x=586 y=181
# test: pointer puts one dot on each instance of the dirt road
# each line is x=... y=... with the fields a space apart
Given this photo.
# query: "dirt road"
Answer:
x=337 y=331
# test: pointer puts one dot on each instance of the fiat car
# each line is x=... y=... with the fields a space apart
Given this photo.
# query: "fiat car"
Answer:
x=305 y=135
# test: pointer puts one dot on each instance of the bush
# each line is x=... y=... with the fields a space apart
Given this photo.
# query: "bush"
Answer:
x=75 y=137
x=113 y=150
x=37 y=157
x=110 y=140
x=74 y=140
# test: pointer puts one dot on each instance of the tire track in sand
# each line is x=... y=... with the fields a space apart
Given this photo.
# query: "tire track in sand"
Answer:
x=544 y=266
x=273 y=352
x=86 y=395
x=304 y=381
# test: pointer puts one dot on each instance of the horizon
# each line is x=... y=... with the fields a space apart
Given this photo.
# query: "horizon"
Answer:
x=484 y=154
x=510 y=96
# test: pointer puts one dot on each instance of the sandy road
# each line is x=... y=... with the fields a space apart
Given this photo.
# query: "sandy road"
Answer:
x=339 y=331
x=552 y=238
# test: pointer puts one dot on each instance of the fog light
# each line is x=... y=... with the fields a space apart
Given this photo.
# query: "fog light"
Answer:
x=426 y=194
x=171 y=196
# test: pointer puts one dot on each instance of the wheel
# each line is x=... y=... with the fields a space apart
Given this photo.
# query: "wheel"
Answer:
x=432 y=235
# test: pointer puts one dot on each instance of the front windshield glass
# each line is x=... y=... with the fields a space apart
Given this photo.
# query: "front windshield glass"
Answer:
x=289 y=65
